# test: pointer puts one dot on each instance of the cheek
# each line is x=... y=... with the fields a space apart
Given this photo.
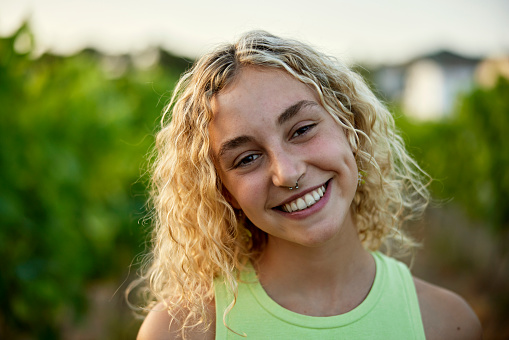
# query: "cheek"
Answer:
x=241 y=193
x=350 y=165
x=248 y=196
x=333 y=156
x=227 y=188
x=344 y=163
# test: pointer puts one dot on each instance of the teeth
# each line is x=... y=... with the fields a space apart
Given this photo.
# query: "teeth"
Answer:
x=309 y=200
x=316 y=195
x=306 y=201
x=301 y=204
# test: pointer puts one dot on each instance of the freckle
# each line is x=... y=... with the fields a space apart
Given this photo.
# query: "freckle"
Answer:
x=459 y=328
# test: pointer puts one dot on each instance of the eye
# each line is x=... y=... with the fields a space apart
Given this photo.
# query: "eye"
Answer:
x=303 y=130
x=245 y=161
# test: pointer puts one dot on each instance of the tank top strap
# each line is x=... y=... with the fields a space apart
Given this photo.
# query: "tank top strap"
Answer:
x=399 y=269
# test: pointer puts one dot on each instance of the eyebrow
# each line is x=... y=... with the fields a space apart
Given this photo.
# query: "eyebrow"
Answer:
x=234 y=143
x=285 y=116
x=291 y=111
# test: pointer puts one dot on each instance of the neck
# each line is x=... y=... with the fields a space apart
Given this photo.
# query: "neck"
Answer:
x=325 y=280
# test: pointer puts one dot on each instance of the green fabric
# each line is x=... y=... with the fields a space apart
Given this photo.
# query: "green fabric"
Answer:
x=390 y=311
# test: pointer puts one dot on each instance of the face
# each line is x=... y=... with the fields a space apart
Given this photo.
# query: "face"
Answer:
x=268 y=131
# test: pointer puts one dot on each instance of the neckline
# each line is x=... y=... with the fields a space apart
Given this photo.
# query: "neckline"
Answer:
x=266 y=302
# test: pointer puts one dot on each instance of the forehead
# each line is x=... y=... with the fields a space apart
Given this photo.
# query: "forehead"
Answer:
x=257 y=90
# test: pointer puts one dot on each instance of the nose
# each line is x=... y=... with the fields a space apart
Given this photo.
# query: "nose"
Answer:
x=286 y=169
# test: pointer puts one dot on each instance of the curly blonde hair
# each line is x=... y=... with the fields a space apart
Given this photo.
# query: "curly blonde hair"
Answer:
x=198 y=236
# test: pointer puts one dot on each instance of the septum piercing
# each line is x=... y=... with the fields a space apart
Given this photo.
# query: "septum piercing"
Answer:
x=296 y=186
x=296 y=183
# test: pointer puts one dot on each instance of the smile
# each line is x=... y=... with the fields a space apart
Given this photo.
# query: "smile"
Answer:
x=305 y=201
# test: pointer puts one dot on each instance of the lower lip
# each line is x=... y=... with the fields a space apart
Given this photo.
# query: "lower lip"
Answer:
x=300 y=214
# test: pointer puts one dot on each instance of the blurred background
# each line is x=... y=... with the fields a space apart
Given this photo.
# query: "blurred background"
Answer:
x=82 y=86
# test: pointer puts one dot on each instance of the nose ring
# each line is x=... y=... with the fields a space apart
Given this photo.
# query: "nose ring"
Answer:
x=296 y=183
x=296 y=186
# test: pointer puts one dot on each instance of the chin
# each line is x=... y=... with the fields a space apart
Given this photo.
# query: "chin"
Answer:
x=317 y=238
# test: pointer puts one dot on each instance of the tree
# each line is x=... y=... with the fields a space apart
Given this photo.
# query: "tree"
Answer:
x=72 y=142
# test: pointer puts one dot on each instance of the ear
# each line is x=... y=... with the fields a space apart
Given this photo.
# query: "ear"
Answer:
x=230 y=198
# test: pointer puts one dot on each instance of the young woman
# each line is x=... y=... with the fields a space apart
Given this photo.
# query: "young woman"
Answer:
x=279 y=180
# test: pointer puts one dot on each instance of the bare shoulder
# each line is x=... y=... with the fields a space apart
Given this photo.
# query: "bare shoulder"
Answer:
x=446 y=315
x=160 y=325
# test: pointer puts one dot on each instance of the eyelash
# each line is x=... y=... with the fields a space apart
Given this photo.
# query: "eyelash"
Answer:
x=241 y=164
x=307 y=129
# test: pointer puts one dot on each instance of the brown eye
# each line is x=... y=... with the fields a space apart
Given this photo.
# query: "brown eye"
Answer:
x=246 y=160
x=303 y=130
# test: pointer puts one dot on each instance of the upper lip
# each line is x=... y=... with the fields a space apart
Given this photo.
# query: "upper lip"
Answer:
x=300 y=194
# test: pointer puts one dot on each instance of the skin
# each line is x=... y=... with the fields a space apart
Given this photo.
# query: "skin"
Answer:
x=269 y=131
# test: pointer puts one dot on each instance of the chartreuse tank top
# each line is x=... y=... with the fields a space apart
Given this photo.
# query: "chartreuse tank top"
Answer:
x=390 y=311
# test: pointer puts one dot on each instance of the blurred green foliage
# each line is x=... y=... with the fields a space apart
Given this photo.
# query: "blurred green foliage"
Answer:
x=73 y=137
x=72 y=141
x=468 y=154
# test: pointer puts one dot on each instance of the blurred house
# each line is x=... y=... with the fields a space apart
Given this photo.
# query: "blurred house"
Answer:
x=427 y=86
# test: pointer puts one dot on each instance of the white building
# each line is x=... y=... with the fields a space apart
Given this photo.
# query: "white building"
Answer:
x=427 y=87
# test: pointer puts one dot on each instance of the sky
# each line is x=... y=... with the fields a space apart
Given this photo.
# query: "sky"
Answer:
x=367 y=31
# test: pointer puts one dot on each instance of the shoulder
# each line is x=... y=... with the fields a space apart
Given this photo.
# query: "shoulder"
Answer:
x=446 y=315
x=160 y=325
